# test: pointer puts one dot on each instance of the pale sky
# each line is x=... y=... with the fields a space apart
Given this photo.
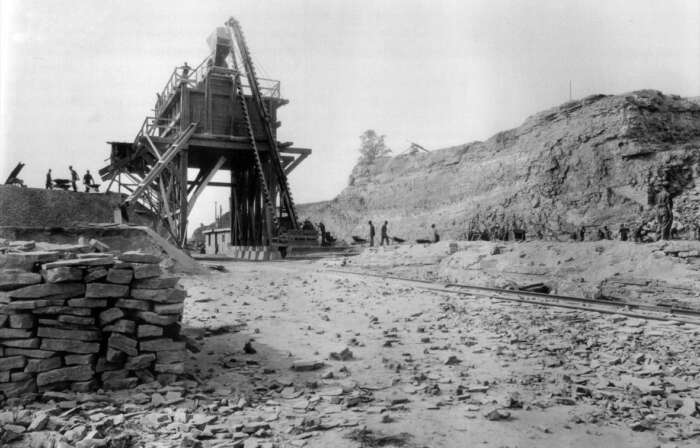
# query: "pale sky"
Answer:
x=75 y=74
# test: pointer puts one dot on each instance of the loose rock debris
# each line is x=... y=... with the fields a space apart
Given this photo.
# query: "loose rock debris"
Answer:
x=518 y=364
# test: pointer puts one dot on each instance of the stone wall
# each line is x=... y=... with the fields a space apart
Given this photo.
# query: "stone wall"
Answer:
x=81 y=321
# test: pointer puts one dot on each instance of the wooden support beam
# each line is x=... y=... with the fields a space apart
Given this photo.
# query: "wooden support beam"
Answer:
x=198 y=190
x=165 y=200
x=289 y=168
x=193 y=184
x=182 y=191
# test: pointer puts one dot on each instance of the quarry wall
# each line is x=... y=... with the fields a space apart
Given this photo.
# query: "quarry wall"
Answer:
x=587 y=162
x=47 y=208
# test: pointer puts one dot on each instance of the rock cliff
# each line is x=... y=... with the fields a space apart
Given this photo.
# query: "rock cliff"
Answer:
x=587 y=162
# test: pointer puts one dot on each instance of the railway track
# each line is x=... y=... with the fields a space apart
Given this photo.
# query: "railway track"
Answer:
x=638 y=310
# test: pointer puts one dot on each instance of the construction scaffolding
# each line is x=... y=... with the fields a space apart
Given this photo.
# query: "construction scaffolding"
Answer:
x=216 y=116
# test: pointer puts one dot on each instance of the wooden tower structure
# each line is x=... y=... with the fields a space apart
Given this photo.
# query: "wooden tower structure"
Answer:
x=216 y=116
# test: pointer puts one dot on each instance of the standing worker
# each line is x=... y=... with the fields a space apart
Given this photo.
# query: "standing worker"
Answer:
x=371 y=234
x=664 y=212
x=624 y=232
x=87 y=180
x=49 y=180
x=322 y=228
x=385 y=235
x=436 y=235
x=73 y=177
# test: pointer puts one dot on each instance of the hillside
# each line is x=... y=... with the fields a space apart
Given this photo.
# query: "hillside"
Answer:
x=587 y=162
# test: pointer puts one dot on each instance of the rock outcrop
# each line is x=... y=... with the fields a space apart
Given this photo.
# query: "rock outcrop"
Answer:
x=587 y=162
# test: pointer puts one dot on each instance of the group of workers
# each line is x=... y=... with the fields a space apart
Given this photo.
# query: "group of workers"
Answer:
x=385 y=234
x=497 y=227
x=88 y=180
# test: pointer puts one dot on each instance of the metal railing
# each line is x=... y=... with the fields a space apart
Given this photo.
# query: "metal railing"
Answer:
x=192 y=77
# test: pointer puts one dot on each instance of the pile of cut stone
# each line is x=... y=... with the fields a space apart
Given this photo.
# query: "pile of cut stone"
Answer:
x=87 y=321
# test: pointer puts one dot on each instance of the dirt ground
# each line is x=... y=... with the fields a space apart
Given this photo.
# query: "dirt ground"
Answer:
x=294 y=355
x=430 y=369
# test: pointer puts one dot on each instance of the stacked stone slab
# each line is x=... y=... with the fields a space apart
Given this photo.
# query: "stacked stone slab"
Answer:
x=96 y=320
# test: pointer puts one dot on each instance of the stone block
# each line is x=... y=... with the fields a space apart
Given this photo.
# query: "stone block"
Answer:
x=148 y=331
x=105 y=291
x=20 y=305
x=156 y=319
x=70 y=346
x=80 y=262
x=119 y=384
x=60 y=333
x=153 y=295
x=71 y=360
x=42 y=365
x=76 y=320
x=139 y=257
x=17 y=388
x=133 y=304
x=103 y=365
x=170 y=356
x=29 y=353
x=21 y=321
x=156 y=283
x=69 y=310
x=140 y=362
x=17 y=279
x=62 y=274
x=123 y=343
x=95 y=274
x=169 y=308
x=114 y=375
x=114 y=356
x=26 y=261
x=177 y=368
x=142 y=270
x=21 y=343
x=73 y=373
x=99 y=246
x=162 y=344
x=49 y=291
x=84 y=386
x=4 y=376
x=120 y=276
x=3 y=319
x=20 y=376
x=121 y=326
x=88 y=303
x=12 y=362
x=110 y=315
x=145 y=375
x=14 y=333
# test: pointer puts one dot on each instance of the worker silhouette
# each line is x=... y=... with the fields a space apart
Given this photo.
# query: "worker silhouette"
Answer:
x=436 y=235
x=73 y=178
x=371 y=234
x=385 y=235
x=87 y=181
x=49 y=180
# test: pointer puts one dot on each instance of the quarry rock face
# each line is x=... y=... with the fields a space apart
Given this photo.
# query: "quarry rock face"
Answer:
x=587 y=162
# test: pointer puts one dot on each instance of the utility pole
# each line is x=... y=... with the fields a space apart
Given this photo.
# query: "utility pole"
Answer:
x=570 y=98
